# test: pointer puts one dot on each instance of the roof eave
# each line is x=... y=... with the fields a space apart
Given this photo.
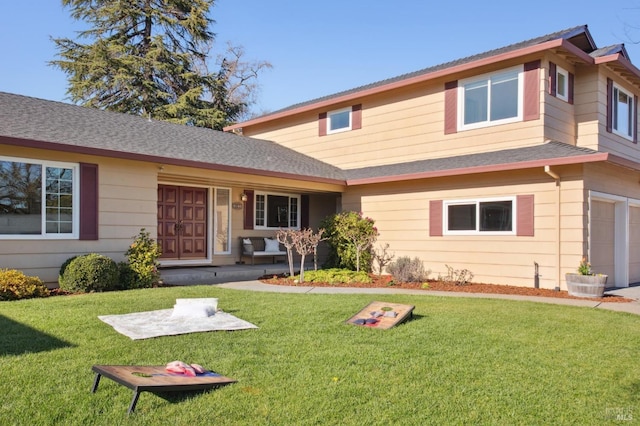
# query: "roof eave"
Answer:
x=55 y=146
x=620 y=60
x=560 y=161
x=552 y=44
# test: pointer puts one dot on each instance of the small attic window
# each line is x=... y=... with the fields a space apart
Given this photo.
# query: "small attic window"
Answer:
x=339 y=120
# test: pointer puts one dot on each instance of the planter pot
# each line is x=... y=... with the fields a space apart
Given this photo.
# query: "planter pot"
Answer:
x=586 y=285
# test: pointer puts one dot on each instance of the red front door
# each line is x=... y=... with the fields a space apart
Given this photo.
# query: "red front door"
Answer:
x=182 y=222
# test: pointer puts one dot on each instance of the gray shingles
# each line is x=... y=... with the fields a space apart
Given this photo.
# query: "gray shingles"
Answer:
x=547 y=151
x=41 y=120
x=570 y=33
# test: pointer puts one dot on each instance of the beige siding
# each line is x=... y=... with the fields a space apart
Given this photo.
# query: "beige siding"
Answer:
x=611 y=142
x=401 y=214
x=127 y=202
x=590 y=117
x=404 y=125
x=559 y=115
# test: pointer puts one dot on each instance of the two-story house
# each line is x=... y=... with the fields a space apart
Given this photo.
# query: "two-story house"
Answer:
x=513 y=164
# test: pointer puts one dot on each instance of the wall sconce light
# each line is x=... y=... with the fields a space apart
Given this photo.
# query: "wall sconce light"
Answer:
x=243 y=197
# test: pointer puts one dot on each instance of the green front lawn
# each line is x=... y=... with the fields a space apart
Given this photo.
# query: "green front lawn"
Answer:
x=459 y=361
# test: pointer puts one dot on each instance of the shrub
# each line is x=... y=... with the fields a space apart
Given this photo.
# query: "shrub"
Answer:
x=64 y=266
x=127 y=277
x=90 y=272
x=349 y=237
x=142 y=257
x=16 y=285
x=457 y=276
x=407 y=270
x=337 y=276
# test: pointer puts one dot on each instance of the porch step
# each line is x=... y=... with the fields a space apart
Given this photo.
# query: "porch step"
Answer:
x=198 y=275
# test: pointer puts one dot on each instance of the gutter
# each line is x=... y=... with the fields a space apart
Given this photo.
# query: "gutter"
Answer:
x=556 y=177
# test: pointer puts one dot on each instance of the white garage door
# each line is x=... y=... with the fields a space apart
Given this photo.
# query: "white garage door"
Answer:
x=634 y=244
x=603 y=239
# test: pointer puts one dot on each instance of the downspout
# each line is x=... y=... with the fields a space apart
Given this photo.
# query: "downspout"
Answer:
x=556 y=177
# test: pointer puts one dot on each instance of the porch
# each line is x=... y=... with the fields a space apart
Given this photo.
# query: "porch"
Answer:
x=194 y=275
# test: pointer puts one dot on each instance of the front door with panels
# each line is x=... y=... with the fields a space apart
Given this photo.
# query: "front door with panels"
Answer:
x=182 y=222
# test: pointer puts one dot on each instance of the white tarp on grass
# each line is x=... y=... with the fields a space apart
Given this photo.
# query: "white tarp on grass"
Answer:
x=144 y=325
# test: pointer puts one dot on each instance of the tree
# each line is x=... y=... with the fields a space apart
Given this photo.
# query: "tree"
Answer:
x=149 y=57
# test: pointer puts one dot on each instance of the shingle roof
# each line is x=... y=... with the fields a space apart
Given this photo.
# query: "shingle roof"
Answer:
x=579 y=34
x=34 y=119
x=516 y=156
x=108 y=133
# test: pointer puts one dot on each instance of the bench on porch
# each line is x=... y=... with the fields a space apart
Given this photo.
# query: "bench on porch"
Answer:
x=261 y=247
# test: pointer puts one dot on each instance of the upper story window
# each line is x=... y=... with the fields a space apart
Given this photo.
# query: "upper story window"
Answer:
x=623 y=119
x=490 y=99
x=340 y=120
x=38 y=199
x=562 y=84
x=479 y=216
x=276 y=211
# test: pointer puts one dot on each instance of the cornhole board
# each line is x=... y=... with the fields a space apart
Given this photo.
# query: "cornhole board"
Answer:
x=155 y=379
x=365 y=318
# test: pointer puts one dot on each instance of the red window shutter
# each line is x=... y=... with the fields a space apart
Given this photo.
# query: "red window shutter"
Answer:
x=571 y=80
x=88 y=201
x=451 y=107
x=524 y=222
x=552 y=78
x=609 y=105
x=531 y=102
x=356 y=117
x=304 y=211
x=248 y=209
x=635 y=123
x=435 y=218
x=322 y=124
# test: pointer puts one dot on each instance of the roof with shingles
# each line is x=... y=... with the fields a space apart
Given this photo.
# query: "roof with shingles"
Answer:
x=579 y=34
x=32 y=119
x=69 y=127
x=550 y=152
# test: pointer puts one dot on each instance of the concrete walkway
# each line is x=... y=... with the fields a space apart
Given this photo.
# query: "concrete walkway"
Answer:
x=631 y=293
x=244 y=277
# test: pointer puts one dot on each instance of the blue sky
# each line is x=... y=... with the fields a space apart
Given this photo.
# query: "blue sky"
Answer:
x=320 y=48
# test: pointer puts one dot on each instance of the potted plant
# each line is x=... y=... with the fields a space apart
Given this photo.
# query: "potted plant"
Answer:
x=585 y=283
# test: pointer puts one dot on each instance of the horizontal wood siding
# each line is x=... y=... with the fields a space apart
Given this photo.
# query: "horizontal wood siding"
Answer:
x=405 y=125
x=402 y=215
x=127 y=203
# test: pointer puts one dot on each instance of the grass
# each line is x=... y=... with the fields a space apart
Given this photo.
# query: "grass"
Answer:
x=459 y=361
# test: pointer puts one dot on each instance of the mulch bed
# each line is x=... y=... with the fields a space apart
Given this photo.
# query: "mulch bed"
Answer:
x=434 y=285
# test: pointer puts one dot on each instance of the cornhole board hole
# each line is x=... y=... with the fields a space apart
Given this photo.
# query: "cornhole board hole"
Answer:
x=155 y=379
x=383 y=315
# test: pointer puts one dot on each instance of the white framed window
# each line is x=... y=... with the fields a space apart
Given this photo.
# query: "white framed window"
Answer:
x=562 y=84
x=486 y=216
x=490 y=99
x=274 y=211
x=38 y=199
x=222 y=221
x=623 y=121
x=339 y=120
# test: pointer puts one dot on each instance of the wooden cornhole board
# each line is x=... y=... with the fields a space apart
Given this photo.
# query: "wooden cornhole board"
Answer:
x=402 y=312
x=155 y=379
